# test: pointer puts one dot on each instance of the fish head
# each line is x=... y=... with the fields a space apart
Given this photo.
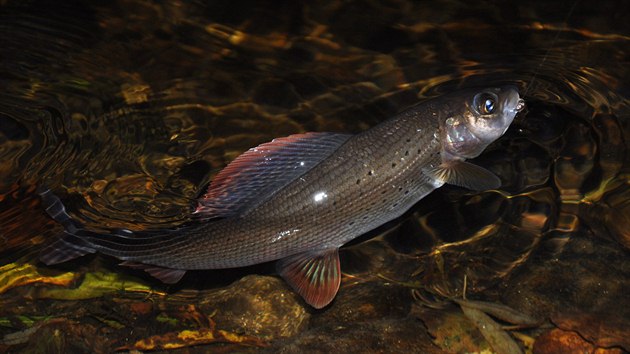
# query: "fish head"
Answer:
x=480 y=118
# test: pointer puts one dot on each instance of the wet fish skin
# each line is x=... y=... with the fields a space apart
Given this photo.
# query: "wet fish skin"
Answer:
x=298 y=199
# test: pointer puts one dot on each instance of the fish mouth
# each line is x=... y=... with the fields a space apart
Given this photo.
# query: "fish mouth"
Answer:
x=513 y=103
x=520 y=105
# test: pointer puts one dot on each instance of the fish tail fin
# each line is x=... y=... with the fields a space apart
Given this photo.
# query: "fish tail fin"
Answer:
x=71 y=243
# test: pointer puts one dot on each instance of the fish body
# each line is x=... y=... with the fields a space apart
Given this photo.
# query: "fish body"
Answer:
x=298 y=199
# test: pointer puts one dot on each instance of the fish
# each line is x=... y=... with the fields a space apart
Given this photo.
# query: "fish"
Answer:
x=298 y=199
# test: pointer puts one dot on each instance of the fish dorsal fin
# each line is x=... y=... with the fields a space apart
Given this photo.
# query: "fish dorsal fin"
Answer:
x=261 y=171
x=166 y=275
x=465 y=174
x=314 y=275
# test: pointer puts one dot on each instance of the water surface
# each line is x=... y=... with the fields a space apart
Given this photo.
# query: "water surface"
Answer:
x=128 y=109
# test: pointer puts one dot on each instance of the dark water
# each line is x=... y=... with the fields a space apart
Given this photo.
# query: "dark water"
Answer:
x=127 y=109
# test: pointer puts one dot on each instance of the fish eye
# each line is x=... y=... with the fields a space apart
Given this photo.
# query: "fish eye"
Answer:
x=485 y=103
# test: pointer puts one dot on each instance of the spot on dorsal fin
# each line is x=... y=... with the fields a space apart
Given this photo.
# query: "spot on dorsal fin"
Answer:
x=314 y=275
x=261 y=171
x=166 y=275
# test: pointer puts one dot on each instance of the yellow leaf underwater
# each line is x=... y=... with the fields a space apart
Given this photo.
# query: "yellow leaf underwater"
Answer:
x=186 y=338
x=97 y=284
x=14 y=274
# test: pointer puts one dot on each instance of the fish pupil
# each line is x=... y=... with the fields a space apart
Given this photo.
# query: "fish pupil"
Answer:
x=488 y=106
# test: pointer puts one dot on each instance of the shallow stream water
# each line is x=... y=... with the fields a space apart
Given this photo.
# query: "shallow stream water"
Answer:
x=127 y=109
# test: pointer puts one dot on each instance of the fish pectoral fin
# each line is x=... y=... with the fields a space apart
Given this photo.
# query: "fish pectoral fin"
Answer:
x=315 y=275
x=166 y=275
x=465 y=174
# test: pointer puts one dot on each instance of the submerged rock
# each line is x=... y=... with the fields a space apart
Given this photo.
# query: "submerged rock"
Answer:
x=261 y=306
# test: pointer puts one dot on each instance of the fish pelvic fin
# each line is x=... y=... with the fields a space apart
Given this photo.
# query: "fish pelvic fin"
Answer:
x=69 y=243
x=315 y=275
x=165 y=275
x=464 y=174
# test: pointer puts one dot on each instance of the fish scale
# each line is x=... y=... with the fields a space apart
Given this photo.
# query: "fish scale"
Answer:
x=298 y=199
x=251 y=235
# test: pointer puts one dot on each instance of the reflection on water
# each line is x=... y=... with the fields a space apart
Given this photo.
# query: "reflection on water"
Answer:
x=128 y=109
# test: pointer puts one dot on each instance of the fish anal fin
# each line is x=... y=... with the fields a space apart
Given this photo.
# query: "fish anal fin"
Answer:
x=66 y=248
x=465 y=174
x=165 y=275
x=315 y=275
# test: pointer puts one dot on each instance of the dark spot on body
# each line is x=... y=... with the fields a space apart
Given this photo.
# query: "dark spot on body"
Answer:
x=408 y=140
x=358 y=181
x=407 y=153
x=406 y=192
x=371 y=172
x=393 y=164
x=351 y=223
